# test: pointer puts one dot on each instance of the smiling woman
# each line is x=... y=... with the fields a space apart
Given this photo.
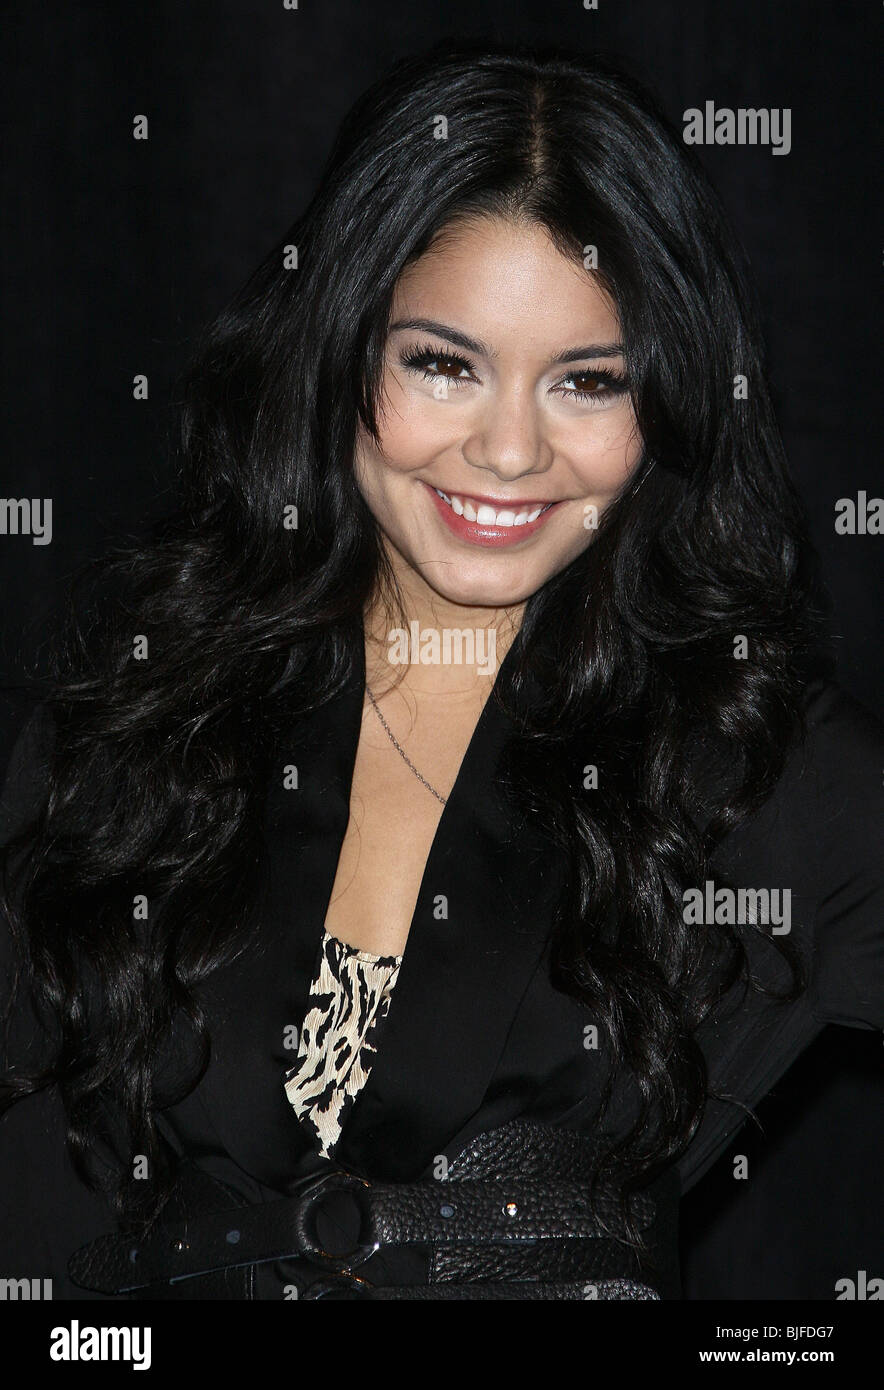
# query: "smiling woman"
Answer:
x=523 y=436
x=358 y=977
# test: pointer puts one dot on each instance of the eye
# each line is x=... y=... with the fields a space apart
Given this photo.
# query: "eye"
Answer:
x=434 y=365
x=600 y=386
x=596 y=384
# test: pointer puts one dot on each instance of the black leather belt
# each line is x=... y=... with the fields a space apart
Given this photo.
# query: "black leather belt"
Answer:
x=513 y=1213
x=349 y=1286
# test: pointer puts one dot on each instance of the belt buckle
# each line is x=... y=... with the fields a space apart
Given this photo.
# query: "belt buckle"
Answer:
x=308 y=1241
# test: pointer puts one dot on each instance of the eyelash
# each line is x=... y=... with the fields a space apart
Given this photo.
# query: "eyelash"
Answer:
x=419 y=357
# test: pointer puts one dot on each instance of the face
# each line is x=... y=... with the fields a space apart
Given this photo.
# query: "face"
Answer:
x=506 y=427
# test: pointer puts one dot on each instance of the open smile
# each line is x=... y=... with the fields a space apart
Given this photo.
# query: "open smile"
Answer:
x=483 y=523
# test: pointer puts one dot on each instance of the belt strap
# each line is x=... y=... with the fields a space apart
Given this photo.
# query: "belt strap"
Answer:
x=486 y=1212
x=582 y=1290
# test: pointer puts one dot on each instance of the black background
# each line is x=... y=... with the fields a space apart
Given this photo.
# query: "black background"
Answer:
x=116 y=250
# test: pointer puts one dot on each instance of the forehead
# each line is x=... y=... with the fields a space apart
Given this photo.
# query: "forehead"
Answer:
x=500 y=280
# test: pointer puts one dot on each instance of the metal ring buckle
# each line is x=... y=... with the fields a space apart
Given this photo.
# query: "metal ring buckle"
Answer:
x=308 y=1242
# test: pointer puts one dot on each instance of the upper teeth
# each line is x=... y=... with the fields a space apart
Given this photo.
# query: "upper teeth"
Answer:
x=471 y=510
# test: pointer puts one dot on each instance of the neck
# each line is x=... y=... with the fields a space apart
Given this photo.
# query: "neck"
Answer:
x=435 y=646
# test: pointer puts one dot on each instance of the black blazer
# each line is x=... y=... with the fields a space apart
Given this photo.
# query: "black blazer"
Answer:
x=476 y=1034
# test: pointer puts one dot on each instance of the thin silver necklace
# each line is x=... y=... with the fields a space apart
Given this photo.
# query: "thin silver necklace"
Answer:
x=401 y=751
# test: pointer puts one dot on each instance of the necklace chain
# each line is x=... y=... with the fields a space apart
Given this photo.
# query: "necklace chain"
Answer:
x=401 y=751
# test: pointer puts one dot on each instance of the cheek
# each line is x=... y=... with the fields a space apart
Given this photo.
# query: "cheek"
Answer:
x=412 y=427
x=605 y=452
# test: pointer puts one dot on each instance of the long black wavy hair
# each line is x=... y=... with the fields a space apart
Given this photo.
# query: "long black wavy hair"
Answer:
x=155 y=774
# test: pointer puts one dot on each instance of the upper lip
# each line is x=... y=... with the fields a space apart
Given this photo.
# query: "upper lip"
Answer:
x=501 y=503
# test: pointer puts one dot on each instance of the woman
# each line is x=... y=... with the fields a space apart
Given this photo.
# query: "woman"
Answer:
x=454 y=831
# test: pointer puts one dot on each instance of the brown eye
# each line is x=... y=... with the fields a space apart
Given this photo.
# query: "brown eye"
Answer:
x=593 y=385
x=433 y=365
x=445 y=366
x=589 y=382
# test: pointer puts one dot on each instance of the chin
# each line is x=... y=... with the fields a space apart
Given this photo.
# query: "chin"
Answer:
x=483 y=593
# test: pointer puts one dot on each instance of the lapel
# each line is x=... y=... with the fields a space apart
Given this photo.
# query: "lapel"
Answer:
x=480 y=925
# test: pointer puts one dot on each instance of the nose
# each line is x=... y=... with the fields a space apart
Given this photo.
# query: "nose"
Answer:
x=507 y=437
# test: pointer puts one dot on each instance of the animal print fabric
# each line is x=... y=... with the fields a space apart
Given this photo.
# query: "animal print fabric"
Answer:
x=351 y=993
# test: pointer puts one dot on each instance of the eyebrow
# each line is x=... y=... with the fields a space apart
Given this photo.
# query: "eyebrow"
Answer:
x=453 y=335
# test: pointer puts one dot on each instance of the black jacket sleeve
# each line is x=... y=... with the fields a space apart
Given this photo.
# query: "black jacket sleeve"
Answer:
x=820 y=836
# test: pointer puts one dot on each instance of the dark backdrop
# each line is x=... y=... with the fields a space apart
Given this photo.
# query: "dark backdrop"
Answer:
x=116 y=250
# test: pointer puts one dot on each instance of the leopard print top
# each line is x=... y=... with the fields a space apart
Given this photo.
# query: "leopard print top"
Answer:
x=350 y=997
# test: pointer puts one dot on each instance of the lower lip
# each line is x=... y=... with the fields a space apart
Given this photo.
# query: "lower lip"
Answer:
x=480 y=532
